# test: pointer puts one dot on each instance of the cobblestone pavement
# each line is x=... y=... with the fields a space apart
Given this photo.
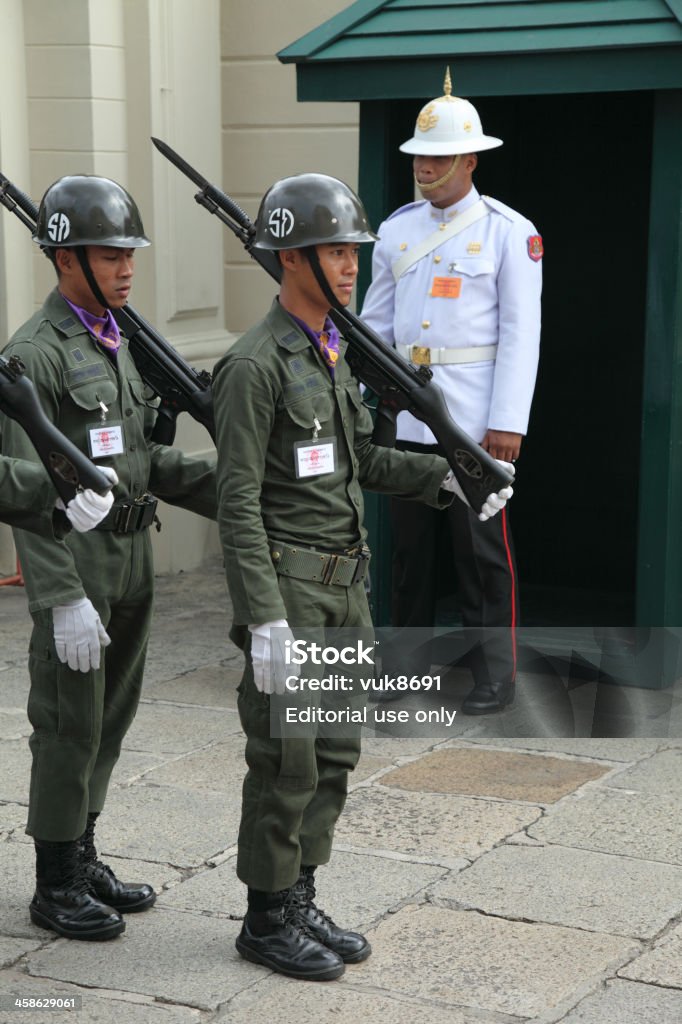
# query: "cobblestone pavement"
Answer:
x=500 y=879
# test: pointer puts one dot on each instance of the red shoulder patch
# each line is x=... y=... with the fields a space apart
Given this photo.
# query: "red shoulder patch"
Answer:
x=535 y=248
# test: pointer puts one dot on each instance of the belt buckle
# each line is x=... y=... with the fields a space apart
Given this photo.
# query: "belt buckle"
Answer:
x=421 y=355
x=329 y=570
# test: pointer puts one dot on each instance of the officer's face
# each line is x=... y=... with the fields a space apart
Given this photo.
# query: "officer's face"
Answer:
x=113 y=269
x=339 y=264
x=428 y=169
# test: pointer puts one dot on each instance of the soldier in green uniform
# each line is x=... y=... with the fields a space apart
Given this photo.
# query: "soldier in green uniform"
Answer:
x=27 y=500
x=93 y=590
x=293 y=540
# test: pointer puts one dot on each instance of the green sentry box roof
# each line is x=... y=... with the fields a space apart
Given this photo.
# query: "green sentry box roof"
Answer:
x=387 y=49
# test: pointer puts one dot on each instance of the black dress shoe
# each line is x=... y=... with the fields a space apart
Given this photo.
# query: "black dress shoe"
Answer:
x=126 y=897
x=63 y=900
x=487 y=698
x=277 y=939
x=352 y=947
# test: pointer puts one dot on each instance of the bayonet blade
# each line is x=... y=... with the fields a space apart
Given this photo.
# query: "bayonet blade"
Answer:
x=181 y=164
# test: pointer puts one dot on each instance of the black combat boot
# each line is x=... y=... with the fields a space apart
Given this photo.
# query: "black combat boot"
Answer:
x=64 y=901
x=126 y=897
x=487 y=698
x=350 y=946
x=275 y=935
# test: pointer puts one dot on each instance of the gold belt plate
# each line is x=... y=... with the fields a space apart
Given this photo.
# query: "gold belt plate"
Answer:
x=421 y=355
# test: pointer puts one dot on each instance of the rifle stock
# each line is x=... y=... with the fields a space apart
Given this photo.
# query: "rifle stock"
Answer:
x=179 y=386
x=375 y=363
x=68 y=468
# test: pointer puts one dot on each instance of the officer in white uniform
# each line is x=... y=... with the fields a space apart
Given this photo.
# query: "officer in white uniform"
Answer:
x=456 y=285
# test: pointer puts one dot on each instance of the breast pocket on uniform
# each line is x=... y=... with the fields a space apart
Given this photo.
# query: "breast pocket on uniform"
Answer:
x=307 y=401
x=469 y=266
x=91 y=393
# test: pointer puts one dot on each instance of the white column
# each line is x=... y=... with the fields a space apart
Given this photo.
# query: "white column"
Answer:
x=173 y=73
x=16 y=281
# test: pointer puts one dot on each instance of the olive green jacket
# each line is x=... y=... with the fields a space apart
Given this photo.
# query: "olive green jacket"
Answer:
x=27 y=497
x=72 y=377
x=268 y=392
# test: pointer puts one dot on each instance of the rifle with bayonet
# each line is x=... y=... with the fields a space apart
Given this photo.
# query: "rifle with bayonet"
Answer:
x=398 y=385
x=69 y=469
x=179 y=386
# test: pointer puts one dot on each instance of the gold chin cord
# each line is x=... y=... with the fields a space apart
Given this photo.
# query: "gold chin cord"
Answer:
x=430 y=186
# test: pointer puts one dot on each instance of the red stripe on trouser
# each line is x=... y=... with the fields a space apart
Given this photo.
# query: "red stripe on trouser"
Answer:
x=510 y=563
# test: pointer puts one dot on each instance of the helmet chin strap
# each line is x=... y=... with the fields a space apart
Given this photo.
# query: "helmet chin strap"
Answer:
x=314 y=260
x=431 y=186
x=89 y=276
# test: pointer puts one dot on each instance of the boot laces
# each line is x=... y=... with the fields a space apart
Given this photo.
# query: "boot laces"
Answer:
x=293 y=913
x=74 y=879
x=307 y=898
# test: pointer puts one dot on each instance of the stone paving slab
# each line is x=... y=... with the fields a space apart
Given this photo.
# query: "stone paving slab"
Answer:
x=526 y=777
x=14 y=725
x=219 y=768
x=15 y=769
x=503 y=966
x=12 y=949
x=611 y=821
x=395 y=747
x=661 y=773
x=158 y=823
x=625 y=1002
x=17 y=870
x=603 y=749
x=575 y=888
x=209 y=686
x=428 y=826
x=133 y=764
x=189 y=958
x=660 y=966
x=12 y=817
x=197 y=638
x=367 y=766
x=355 y=890
x=285 y=1001
x=14 y=684
x=163 y=729
x=98 y=1007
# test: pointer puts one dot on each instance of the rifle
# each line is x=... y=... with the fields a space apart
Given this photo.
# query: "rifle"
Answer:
x=179 y=386
x=68 y=467
x=376 y=364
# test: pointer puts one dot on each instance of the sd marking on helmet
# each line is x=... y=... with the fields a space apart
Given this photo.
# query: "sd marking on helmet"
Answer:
x=281 y=222
x=59 y=227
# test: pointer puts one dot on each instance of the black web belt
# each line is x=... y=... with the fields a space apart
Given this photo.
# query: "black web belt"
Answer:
x=331 y=570
x=131 y=515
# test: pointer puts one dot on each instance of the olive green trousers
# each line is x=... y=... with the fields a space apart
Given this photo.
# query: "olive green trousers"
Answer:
x=295 y=788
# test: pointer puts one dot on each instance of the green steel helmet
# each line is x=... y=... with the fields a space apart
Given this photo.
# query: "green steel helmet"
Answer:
x=83 y=209
x=310 y=209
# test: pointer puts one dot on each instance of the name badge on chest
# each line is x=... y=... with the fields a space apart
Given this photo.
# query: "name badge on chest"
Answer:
x=315 y=458
x=105 y=439
x=446 y=287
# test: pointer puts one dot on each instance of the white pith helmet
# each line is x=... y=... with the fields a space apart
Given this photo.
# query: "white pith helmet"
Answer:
x=447 y=126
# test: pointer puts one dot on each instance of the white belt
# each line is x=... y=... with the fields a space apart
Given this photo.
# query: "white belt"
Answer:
x=423 y=355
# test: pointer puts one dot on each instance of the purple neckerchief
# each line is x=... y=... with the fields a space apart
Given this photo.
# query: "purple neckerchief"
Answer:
x=326 y=341
x=104 y=329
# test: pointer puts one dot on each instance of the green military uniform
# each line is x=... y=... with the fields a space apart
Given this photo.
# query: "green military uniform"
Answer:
x=79 y=719
x=269 y=391
x=26 y=496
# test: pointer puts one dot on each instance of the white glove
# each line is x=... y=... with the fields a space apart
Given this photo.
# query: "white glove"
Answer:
x=89 y=508
x=265 y=678
x=493 y=504
x=79 y=635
